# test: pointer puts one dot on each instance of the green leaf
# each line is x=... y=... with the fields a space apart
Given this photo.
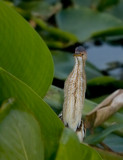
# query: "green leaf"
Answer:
x=22 y=51
x=55 y=98
x=88 y=106
x=103 y=4
x=117 y=10
x=64 y=62
x=40 y=8
x=99 y=99
x=51 y=126
x=97 y=138
x=89 y=153
x=54 y=37
x=116 y=118
x=87 y=3
x=70 y=148
x=91 y=71
x=103 y=84
x=106 y=155
x=89 y=23
x=114 y=142
x=20 y=136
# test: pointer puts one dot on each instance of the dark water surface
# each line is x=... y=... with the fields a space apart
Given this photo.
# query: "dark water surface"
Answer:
x=107 y=57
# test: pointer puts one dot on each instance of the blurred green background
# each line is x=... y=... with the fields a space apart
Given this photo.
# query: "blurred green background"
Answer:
x=95 y=24
x=98 y=26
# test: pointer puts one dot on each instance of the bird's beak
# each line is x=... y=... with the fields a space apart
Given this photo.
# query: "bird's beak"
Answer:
x=80 y=54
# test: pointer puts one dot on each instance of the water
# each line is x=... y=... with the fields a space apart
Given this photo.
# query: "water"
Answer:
x=107 y=58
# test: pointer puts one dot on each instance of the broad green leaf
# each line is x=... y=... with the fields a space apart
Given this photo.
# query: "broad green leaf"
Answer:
x=89 y=23
x=22 y=51
x=70 y=148
x=64 y=62
x=51 y=126
x=20 y=136
x=97 y=138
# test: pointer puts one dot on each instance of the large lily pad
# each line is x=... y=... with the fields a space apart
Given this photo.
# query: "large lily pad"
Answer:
x=86 y=23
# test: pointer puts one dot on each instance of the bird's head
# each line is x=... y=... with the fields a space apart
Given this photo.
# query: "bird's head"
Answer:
x=80 y=52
